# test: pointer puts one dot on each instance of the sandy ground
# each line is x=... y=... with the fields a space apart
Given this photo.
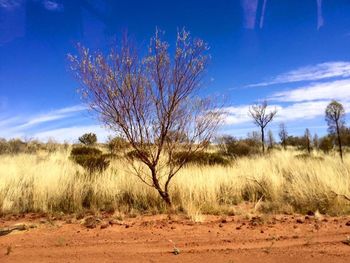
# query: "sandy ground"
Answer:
x=150 y=239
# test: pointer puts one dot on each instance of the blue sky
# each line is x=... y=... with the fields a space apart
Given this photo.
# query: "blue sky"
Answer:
x=295 y=54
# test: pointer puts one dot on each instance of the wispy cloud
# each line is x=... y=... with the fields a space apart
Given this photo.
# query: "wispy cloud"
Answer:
x=17 y=126
x=10 y=4
x=52 y=115
x=249 y=9
x=338 y=89
x=53 y=6
x=262 y=18
x=320 y=20
x=311 y=73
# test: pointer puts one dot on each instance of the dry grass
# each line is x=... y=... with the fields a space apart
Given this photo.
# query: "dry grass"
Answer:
x=276 y=183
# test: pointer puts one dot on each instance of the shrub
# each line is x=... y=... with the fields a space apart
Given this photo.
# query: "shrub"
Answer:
x=88 y=139
x=4 y=147
x=326 y=144
x=91 y=159
x=116 y=144
x=132 y=155
x=83 y=150
x=232 y=147
x=16 y=146
x=201 y=158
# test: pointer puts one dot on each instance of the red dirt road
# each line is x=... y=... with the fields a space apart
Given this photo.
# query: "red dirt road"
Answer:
x=146 y=239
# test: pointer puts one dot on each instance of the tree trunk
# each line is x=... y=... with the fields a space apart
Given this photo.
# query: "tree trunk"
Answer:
x=163 y=194
x=339 y=142
x=263 y=139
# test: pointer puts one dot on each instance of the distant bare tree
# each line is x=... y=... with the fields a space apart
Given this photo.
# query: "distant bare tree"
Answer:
x=262 y=118
x=283 y=134
x=151 y=102
x=335 y=118
x=307 y=140
x=316 y=141
x=271 y=139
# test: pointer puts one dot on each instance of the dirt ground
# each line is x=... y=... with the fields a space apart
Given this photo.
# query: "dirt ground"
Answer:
x=166 y=238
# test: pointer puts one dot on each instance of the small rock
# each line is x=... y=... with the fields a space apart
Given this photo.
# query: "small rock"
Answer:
x=91 y=222
x=114 y=222
x=221 y=225
x=347 y=223
x=104 y=225
x=300 y=221
x=262 y=231
x=224 y=221
x=127 y=226
x=310 y=213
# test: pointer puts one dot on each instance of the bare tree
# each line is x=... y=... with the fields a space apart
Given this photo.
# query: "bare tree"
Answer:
x=307 y=140
x=316 y=141
x=335 y=118
x=152 y=102
x=271 y=141
x=283 y=134
x=262 y=118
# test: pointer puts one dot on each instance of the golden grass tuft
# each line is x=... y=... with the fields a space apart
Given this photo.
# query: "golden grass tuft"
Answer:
x=277 y=183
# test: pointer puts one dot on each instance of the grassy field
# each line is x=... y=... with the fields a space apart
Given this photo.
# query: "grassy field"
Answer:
x=279 y=182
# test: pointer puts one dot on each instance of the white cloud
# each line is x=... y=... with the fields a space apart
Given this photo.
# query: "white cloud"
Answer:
x=338 y=90
x=301 y=111
x=293 y=112
x=311 y=73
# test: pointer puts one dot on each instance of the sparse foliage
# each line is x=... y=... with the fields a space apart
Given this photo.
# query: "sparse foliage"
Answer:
x=335 y=118
x=262 y=118
x=146 y=99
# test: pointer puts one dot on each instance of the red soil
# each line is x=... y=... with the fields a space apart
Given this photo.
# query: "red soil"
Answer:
x=146 y=239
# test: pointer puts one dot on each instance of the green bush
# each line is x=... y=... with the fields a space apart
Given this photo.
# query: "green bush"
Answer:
x=91 y=159
x=200 y=158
